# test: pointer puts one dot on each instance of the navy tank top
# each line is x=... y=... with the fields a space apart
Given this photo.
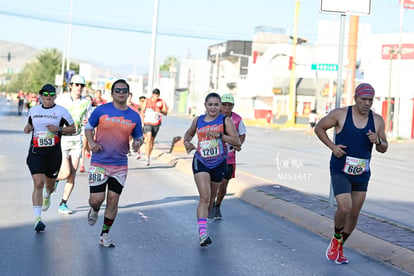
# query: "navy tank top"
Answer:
x=210 y=151
x=356 y=163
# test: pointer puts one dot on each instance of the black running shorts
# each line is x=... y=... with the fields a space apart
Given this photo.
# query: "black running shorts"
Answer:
x=44 y=161
x=341 y=184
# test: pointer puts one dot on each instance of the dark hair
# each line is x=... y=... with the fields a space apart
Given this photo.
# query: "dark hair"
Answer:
x=142 y=97
x=212 y=95
x=119 y=81
x=156 y=91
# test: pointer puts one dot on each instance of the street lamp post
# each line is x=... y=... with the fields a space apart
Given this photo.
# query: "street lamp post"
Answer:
x=388 y=121
x=151 y=71
x=292 y=86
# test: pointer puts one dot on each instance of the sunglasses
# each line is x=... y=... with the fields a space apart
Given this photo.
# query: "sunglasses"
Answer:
x=79 y=84
x=121 y=90
x=51 y=94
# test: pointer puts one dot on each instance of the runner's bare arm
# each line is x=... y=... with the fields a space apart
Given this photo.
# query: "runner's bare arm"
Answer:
x=189 y=134
x=231 y=136
x=91 y=140
x=381 y=143
x=329 y=121
x=28 y=128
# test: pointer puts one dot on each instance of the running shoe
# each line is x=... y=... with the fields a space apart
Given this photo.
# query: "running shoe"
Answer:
x=64 y=209
x=46 y=201
x=333 y=250
x=54 y=191
x=147 y=162
x=82 y=169
x=212 y=213
x=205 y=240
x=88 y=155
x=217 y=213
x=39 y=225
x=341 y=258
x=106 y=241
x=92 y=216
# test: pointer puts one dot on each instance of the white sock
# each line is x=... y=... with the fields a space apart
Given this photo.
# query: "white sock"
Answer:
x=37 y=211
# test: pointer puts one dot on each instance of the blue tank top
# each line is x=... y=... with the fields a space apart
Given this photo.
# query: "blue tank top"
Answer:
x=210 y=151
x=356 y=163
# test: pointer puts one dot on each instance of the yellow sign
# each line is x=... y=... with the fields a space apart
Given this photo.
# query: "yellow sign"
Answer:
x=108 y=86
x=277 y=91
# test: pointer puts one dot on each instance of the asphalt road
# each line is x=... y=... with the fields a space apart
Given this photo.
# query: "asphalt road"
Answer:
x=290 y=158
x=155 y=230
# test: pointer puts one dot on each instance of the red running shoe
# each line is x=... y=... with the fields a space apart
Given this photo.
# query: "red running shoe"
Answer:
x=333 y=250
x=82 y=169
x=341 y=258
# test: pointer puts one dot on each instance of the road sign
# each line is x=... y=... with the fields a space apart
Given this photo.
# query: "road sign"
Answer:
x=350 y=7
x=407 y=51
x=324 y=67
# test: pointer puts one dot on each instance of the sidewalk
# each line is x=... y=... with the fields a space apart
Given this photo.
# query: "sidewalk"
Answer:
x=384 y=241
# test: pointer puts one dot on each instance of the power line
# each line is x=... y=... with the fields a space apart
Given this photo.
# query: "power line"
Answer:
x=103 y=27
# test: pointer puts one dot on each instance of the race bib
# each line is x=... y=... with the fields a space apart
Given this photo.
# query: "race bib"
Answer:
x=151 y=116
x=356 y=166
x=96 y=174
x=209 y=148
x=44 y=139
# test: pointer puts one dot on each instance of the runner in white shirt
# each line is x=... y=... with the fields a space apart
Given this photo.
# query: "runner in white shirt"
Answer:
x=78 y=107
x=47 y=123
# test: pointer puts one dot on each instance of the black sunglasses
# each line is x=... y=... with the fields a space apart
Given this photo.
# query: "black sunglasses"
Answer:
x=121 y=90
x=79 y=84
x=46 y=93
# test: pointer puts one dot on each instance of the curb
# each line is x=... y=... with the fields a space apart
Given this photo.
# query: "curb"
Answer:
x=362 y=242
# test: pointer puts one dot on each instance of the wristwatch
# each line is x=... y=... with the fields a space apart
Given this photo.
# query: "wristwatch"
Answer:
x=380 y=142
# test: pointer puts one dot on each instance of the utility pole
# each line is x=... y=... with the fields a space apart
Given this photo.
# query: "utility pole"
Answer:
x=69 y=37
x=398 y=93
x=292 y=87
x=151 y=71
x=352 y=54
x=388 y=121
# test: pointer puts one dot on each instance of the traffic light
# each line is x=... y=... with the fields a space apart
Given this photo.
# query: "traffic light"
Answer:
x=8 y=57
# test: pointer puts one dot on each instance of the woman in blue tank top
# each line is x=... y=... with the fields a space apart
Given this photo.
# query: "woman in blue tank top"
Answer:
x=209 y=163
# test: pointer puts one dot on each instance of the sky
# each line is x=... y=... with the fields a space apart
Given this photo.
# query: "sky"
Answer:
x=119 y=32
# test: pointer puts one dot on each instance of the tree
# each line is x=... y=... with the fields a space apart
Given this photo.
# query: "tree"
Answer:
x=169 y=62
x=40 y=71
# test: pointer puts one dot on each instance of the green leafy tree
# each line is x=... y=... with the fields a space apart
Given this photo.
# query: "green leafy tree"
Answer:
x=40 y=71
x=168 y=63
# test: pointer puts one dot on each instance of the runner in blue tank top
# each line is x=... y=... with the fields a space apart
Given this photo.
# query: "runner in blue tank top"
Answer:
x=209 y=163
x=357 y=129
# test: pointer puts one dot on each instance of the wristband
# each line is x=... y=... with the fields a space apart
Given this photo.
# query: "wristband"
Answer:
x=380 y=142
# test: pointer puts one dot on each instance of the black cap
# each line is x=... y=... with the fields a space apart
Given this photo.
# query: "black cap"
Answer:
x=156 y=91
x=48 y=88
